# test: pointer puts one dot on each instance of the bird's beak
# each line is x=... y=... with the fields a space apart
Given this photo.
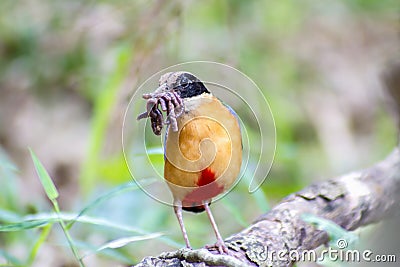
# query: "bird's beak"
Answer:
x=162 y=88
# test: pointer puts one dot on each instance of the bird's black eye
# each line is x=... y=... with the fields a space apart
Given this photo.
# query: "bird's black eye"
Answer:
x=184 y=82
x=188 y=86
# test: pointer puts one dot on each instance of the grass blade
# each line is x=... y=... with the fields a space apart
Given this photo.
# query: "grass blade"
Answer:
x=112 y=254
x=334 y=231
x=42 y=238
x=67 y=234
x=47 y=183
x=118 y=190
x=24 y=225
x=8 y=182
x=234 y=210
x=261 y=200
x=120 y=242
x=52 y=194
x=9 y=216
x=51 y=217
x=258 y=195
x=108 y=88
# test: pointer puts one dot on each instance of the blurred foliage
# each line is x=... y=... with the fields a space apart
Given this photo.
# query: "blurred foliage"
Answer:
x=91 y=55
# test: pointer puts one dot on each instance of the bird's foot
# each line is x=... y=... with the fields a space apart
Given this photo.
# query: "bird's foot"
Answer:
x=220 y=246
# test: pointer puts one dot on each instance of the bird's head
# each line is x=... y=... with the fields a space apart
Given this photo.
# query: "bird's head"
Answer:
x=184 y=83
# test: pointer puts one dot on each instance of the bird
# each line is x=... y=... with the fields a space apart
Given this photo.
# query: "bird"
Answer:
x=203 y=154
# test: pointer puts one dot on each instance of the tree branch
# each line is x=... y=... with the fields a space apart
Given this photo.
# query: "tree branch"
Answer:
x=352 y=200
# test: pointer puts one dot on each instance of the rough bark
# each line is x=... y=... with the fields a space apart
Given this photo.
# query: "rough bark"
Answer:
x=351 y=201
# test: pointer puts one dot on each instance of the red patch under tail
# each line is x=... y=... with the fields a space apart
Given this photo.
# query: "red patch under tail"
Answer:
x=206 y=177
x=206 y=190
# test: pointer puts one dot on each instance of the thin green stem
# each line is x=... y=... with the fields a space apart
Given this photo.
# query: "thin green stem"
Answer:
x=67 y=235
x=42 y=238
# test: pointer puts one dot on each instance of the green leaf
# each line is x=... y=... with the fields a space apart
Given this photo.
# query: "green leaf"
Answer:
x=9 y=216
x=120 y=242
x=105 y=100
x=51 y=217
x=258 y=195
x=111 y=253
x=8 y=185
x=116 y=191
x=235 y=211
x=39 y=242
x=261 y=201
x=67 y=234
x=47 y=183
x=24 y=225
x=52 y=194
x=337 y=235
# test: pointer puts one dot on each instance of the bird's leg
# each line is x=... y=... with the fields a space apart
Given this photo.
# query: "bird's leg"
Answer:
x=222 y=248
x=178 y=213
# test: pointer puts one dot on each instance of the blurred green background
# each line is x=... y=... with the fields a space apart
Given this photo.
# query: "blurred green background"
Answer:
x=69 y=68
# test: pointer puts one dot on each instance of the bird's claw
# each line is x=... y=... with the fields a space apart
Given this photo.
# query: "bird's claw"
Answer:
x=220 y=246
